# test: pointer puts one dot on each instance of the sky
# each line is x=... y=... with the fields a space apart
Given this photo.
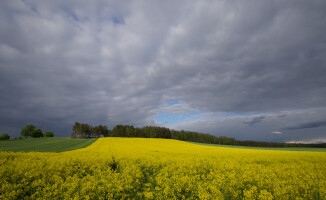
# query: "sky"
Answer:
x=251 y=70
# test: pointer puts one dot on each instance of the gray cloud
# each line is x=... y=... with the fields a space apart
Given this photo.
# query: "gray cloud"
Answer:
x=120 y=62
x=314 y=124
x=254 y=120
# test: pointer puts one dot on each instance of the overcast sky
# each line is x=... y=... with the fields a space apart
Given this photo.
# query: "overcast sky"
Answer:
x=253 y=70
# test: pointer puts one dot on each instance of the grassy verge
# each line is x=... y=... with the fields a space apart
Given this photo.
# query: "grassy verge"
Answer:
x=55 y=144
x=266 y=148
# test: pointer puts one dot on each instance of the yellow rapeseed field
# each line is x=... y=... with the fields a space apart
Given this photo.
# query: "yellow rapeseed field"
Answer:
x=138 y=168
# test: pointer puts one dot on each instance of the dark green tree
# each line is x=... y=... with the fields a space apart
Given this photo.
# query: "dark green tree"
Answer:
x=48 y=134
x=36 y=133
x=81 y=130
x=118 y=131
x=86 y=130
x=105 y=131
x=97 y=130
x=26 y=131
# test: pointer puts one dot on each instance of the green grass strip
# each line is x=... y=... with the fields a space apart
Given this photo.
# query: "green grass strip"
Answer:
x=55 y=144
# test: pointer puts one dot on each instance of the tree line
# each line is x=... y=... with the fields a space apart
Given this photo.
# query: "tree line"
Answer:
x=190 y=136
x=84 y=130
x=162 y=132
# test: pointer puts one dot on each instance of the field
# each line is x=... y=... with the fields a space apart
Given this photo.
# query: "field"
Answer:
x=56 y=144
x=139 y=168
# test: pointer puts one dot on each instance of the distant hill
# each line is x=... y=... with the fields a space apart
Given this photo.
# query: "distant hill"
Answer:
x=162 y=132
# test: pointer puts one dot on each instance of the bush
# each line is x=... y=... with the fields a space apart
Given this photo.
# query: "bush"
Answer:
x=36 y=133
x=48 y=134
x=4 y=137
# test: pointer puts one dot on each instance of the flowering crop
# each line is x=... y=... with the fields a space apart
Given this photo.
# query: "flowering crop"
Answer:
x=139 y=168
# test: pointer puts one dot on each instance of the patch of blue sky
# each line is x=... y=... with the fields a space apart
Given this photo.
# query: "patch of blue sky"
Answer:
x=173 y=102
x=117 y=20
x=292 y=109
x=234 y=114
x=174 y=118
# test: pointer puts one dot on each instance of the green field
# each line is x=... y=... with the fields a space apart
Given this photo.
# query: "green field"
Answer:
x=267 y=148
x=55 y=144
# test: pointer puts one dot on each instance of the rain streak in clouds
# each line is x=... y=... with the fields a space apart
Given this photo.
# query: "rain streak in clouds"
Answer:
x=253 y=70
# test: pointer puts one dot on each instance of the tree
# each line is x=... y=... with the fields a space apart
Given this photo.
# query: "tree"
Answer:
x=4 y=137
x=105 y=131
x=81 y=130
x=26 y=131
x=48 y=134
x=76 y=130
x=118 y=131
x=86 y=130
x=100 y=130
x=36 y=133
x=97 y=130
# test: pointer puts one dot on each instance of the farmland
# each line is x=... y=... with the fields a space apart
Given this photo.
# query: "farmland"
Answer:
x=267 y=148
x=56 y=144
x=139 y=168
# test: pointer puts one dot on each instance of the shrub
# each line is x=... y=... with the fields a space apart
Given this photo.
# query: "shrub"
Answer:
x=4 y=137
x=48 y=134
x=36 y=133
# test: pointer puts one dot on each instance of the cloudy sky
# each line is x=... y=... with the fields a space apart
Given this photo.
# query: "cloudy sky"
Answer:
x=253 y=70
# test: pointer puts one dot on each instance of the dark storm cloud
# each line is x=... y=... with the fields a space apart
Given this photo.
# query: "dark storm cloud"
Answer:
x=306 y=125
x=270 y=59
x=119 y=62
x=254 y=120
